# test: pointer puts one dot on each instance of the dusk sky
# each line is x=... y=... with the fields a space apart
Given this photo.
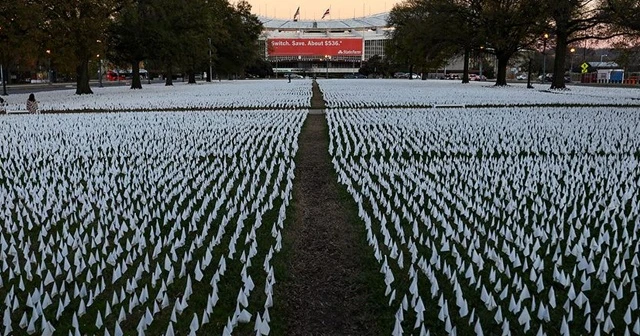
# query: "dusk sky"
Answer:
x=313 y=9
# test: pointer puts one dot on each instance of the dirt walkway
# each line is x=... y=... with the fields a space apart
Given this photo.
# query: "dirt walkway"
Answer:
x=324 y=293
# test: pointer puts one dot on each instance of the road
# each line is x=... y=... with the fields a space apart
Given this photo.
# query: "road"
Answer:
x=35 y=88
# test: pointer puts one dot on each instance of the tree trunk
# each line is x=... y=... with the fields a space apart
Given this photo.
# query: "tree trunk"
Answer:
x=501 y=78
x=135 y=81
x=411 y=71
x=208 y=75
x=82 y=82
x=465 y=71
x=558 y=64
x=192 y=77
x=169 y=77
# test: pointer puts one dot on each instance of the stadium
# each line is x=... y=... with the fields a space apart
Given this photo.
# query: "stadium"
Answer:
x=329 y=48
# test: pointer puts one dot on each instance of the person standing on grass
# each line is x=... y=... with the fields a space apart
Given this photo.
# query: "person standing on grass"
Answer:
x=32 y=104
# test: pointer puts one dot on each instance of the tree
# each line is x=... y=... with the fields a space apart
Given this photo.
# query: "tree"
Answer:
x=417 y=40
x=625 y=14
x=508 y=27
x=127 y=35
x=238 y=47
x=374 y=65
x=83 y=24
x=573 y=21
x=459 y=28
x=167 y=27
x=431 y=31
x=19 y=35
x=179 y=34
x=194 y=38
x=260 y=68
x=628 y=51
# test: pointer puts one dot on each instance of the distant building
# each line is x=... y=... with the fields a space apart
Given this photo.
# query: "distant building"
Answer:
x=603 y=72
x=603 y=65
x=323 y=48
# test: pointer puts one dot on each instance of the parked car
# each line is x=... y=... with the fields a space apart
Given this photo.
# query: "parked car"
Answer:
x=549 y=78
x=295 y=76
x=450 y=77
x=521 y=77
x=114 y=76
x=355 y=76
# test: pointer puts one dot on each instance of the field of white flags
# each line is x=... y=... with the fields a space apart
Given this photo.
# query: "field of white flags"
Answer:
x=407 y=93
x=156 y=223
x=498 y=221
x=239 y=94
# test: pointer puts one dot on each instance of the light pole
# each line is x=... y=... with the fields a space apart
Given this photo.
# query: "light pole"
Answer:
x=573 y=52
x=544 y=58
x=4 y=83
x=328 y=58
x=99 y=70
x=529 y=86
x=49 y=66
x=210 y=64
x=100 y=64
x=480 y=57
x=601 y=56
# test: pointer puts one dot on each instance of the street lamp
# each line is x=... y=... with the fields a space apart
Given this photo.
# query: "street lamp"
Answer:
x=210 y=64
x=601 y=56
x=100 y=65
x=99 y=70
x=573 y=52
x=529 y=86
x=49 y=66
x=480 y=57
x=544 y=57
x=4 y=83
x=328 y=58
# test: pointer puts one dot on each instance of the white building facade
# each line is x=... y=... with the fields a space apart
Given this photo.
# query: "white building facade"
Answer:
x=330 y=48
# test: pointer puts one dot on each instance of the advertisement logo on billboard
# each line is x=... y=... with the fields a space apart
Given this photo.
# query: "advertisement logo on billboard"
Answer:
x=319 y=47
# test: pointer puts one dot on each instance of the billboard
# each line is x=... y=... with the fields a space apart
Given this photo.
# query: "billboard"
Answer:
x=314 y=47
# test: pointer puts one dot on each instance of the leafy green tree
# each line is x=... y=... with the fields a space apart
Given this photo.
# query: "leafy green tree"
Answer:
x=432 y=31
x=415 y=40
x=127 y=38
x=82 y=23
x=20 y=21
x=260 y=68
x=194 y=39
x=374 y=65
x=238 y=46
x=168 y=27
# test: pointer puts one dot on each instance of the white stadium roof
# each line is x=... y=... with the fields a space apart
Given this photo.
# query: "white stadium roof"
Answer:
x=377 y=20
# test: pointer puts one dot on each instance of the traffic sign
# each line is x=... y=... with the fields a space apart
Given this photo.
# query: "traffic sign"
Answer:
x=585 y=67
